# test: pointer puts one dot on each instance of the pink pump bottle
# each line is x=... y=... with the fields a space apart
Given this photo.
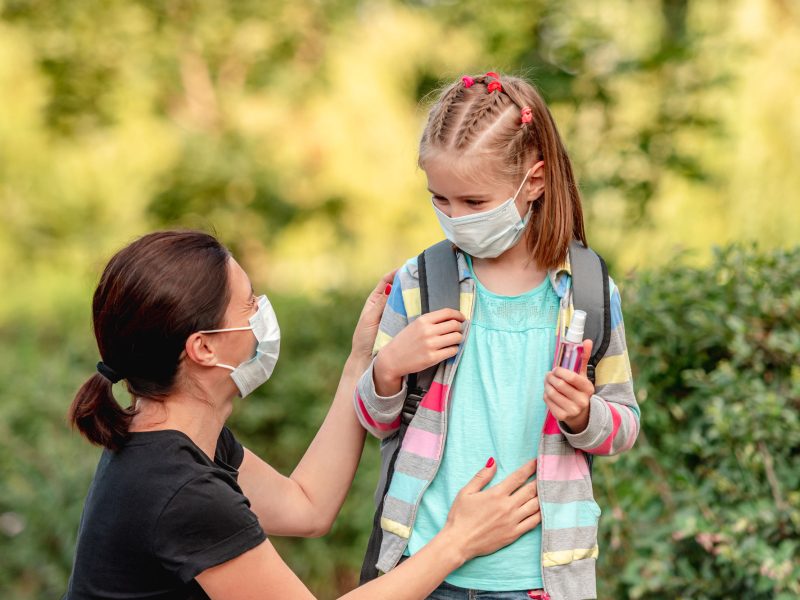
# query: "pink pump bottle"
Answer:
x=570 y=351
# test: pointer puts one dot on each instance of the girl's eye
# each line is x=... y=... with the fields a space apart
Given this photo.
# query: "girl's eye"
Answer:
x=439 y=200
x=475 y=203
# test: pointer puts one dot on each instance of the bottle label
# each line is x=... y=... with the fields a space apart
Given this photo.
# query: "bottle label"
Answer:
x=569 y=356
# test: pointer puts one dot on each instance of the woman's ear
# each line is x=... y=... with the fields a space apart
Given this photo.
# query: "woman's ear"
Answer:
x=534 y=186
x=200 y=351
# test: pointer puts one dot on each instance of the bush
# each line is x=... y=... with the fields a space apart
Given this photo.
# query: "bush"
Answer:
x=707 y=505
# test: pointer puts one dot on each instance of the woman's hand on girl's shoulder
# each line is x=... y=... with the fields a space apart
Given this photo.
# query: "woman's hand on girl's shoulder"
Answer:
x=367 y=327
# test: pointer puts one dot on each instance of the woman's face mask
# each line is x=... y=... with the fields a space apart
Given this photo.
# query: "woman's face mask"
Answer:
x=487 y=234
x=257 y=370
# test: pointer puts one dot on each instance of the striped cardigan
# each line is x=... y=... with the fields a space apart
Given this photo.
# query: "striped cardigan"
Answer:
x=569 y=513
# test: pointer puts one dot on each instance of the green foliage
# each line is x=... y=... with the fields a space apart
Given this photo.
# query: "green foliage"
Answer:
x=707 y=505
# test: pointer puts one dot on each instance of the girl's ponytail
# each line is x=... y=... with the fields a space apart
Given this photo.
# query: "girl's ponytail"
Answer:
x=97 y=415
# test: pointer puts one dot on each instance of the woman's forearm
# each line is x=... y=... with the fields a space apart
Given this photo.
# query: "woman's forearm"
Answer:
x=326 y=470
x=418 y=576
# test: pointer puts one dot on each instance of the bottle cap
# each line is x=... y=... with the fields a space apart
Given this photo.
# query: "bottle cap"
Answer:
x=575 y=331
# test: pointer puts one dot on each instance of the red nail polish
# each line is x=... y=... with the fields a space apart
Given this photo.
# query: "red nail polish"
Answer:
x=489 y=462
x=387 y=290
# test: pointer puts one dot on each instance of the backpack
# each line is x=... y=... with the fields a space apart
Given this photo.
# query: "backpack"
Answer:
x=439 y=288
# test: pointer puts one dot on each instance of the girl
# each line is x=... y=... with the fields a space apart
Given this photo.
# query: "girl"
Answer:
x=504 y=193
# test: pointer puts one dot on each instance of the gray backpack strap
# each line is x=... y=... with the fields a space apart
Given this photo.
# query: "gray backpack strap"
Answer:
x=590 y=293
x=438 y=278
x=438 y=288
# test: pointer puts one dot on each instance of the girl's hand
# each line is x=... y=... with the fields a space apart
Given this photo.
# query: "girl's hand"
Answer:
x=567 y=394
x=429 y=340
x=481 y=522
x=367 y=326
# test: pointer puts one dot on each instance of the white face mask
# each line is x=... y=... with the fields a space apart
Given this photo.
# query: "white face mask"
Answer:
x=487 y=234
x=255 y=371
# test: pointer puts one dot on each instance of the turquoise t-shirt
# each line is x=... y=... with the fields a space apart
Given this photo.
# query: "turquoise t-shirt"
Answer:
x=496 y=409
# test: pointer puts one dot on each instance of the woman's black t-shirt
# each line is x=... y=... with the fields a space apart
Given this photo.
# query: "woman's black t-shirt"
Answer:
x=158 y=513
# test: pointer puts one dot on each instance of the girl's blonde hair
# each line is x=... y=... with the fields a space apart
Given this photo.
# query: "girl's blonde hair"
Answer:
x=504 y=120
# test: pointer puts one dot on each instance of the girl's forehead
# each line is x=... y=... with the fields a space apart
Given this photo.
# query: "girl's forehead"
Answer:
x=456 y=176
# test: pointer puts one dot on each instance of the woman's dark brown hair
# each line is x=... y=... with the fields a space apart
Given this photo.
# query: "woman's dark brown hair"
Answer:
x=152 y=296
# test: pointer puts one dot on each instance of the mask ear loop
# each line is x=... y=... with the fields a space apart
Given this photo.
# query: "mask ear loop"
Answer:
x=519 y=189
x=249 y=327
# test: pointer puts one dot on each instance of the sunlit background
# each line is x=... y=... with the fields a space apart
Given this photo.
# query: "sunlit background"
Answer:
x=290 y=129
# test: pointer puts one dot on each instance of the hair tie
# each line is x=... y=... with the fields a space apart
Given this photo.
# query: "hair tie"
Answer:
x=494 y=86
x=525 y=114
x=108 y=372
x=468 y=81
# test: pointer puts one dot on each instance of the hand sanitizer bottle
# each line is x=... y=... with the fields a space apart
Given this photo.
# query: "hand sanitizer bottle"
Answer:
x=570 y=351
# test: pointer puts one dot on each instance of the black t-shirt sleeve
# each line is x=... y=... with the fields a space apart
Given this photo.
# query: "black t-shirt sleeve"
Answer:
x=206 y=523
x=229 y=450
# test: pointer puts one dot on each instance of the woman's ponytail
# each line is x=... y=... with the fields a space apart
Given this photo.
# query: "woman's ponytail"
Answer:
x=97 y=415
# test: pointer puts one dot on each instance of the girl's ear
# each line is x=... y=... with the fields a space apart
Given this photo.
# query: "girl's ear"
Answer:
x=200 y=351
x=534 y=186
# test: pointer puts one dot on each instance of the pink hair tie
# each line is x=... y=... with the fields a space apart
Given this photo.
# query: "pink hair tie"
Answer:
x=525 y=114
x=495 y=85
x=468 y=81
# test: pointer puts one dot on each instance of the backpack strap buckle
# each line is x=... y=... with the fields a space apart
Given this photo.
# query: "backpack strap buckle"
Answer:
x=590 y=373
x=411 y=404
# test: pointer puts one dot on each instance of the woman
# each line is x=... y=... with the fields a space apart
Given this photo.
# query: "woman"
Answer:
x=178 y=509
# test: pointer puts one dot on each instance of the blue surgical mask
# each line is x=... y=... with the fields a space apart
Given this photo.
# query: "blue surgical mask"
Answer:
x=257 y=370
x=490 y=233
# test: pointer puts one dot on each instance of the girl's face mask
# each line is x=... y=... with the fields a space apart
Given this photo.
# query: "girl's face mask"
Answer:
x=257 y=370
x=487 y=234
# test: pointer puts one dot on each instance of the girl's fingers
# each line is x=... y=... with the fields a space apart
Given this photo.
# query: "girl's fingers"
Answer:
x=449 y=326
x=444 y=354
x=563 y=379
x=445 y=314
x=555 y=397
x=447 y=340
x=587 y=354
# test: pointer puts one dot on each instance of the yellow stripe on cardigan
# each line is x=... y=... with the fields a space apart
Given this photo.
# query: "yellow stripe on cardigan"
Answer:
x=613 y=369
x=396 y=528
x=465 y=304
x=412 y=302
x=564 y=557
x=381 y=340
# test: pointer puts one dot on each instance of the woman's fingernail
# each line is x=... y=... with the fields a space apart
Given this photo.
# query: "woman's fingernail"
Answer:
x=489 y=462
x=387 y=290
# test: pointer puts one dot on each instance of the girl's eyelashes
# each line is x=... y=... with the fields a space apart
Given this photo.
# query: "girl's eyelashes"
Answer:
x=471 y=203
